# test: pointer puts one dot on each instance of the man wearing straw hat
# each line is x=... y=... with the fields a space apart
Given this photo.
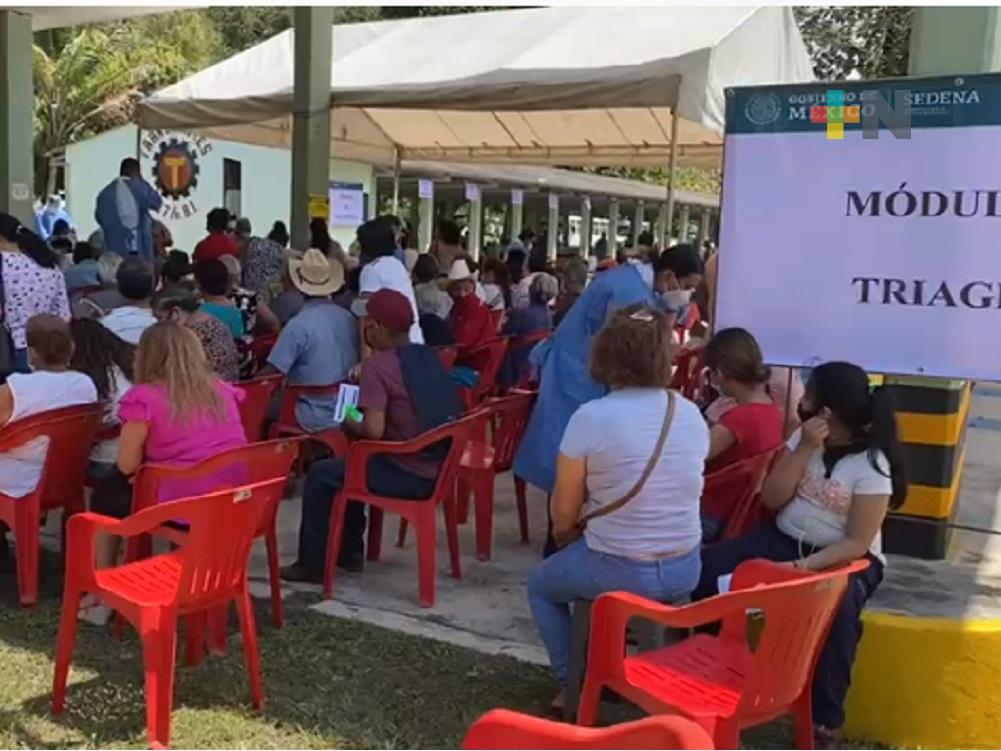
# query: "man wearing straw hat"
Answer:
x=319 y=346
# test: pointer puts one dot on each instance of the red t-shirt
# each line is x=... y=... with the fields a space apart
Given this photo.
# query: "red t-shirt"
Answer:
x=215 y=246
x=756 y=428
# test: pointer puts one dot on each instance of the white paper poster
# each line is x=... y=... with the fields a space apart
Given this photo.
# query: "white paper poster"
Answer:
x=425 y=188
x=347 y=205
x=886 y=251
x=517 y=197
x=472 y=192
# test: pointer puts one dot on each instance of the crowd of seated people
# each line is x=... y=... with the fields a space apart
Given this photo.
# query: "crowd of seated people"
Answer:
x=164 y=345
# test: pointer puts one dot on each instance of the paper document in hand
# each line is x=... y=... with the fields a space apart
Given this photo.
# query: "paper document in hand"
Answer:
x=347 y=395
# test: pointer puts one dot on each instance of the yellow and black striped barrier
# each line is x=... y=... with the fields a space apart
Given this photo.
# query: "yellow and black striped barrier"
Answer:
x=931 y=417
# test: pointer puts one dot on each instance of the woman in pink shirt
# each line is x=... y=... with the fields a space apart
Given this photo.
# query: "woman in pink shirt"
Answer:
x=177 y=413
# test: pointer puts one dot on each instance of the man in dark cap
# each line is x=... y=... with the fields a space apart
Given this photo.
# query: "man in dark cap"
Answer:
x=404 y=391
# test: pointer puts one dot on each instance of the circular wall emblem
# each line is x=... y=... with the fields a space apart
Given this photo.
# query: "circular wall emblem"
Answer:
x=763 y=109
x=175 y=169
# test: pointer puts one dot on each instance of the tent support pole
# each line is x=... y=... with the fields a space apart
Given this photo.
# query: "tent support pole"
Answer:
x=475 y=224
x=683 y=223
x=313 y=30
x=425 y=222
x=16 y=129
x=613 y=227
x=396 y=182
x=672 y=164
x=639 y=216
x=585 y=227
x=517 y=212
x=553 y=228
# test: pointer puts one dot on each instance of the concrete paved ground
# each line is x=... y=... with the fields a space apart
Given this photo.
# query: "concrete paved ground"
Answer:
x=487 y=609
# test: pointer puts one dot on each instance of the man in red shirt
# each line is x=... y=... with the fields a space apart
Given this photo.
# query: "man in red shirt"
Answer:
x=219 y=241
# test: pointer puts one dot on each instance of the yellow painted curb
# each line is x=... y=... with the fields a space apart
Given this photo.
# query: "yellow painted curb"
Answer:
x=927 y=683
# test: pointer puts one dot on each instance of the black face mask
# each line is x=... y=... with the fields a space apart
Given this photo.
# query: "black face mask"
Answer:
x=805 y=414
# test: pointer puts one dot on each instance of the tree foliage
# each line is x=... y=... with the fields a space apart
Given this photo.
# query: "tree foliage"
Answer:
x=854 y=41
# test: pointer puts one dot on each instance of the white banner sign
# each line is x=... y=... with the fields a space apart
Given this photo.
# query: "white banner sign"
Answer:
x=517 y=197
x=347 y=205
x=472 y=192
x=886 y=251
x=425 y=188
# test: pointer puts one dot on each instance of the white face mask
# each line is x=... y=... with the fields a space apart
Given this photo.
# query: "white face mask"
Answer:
x=676 y=298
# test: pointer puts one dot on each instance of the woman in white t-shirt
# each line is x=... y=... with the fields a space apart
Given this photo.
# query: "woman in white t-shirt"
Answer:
x=831 y=490
x=107 y=360
x=650 y=544
x=382 y=270
x=50 y=385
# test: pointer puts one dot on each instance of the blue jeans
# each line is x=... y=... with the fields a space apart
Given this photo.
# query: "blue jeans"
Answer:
x=324 y=481
x=577 y=572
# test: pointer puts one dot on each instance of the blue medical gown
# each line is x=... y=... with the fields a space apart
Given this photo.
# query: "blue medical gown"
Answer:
x=566 y=383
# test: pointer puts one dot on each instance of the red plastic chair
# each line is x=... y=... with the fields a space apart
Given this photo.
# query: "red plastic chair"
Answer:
x=739 y=483
x=256 y=400
x=288 y=423
x=688 y=373
x=490 y=357
x=208 y=571
x=481 y=462
x=719 y=681
x=447 y=355
x=420 y=513
x=504 y=729
x=71 y=432
x=256 y=463
x=261 y=345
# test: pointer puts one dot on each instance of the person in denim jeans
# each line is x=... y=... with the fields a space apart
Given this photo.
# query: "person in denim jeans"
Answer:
x=650 y=545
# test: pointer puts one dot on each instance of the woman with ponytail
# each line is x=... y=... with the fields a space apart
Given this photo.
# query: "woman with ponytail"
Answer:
x=831 y=490
x=752 y=426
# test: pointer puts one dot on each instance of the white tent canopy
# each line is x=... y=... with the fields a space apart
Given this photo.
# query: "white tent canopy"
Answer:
x=557 y=86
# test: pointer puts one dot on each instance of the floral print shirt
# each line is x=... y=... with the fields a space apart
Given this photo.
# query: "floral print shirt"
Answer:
x=30 y=289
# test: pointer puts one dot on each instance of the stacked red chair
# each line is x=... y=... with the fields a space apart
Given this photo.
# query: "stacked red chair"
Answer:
x=71 y=432
x=720 y=681
x=207 y=571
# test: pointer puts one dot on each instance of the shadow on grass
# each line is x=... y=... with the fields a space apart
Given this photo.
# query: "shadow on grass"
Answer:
x=328 y=682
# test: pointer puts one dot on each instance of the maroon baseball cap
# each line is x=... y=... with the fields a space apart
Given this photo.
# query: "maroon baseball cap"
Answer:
x=389 y=308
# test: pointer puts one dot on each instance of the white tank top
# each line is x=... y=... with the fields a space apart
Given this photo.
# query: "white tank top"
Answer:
x=21 y=467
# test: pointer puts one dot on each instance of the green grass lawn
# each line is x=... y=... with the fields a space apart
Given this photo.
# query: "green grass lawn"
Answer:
x=329 y=683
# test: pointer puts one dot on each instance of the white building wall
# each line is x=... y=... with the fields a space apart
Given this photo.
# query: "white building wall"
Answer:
x=265 y=182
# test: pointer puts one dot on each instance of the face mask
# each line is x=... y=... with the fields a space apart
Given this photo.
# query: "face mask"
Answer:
x=675 y=298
